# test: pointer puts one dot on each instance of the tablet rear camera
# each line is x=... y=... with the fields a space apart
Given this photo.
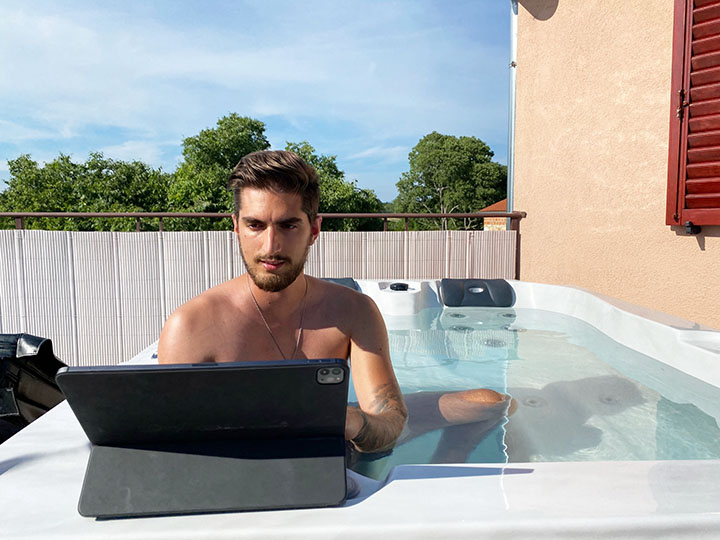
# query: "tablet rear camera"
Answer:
x=330 y=376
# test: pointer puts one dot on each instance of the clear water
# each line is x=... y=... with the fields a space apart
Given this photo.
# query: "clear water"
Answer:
x=580 y=395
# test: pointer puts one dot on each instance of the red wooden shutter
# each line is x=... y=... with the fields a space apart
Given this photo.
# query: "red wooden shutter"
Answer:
x=694 y=161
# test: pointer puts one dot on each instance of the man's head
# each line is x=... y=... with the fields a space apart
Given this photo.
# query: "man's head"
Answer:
x=275 y=219
x=279 y=171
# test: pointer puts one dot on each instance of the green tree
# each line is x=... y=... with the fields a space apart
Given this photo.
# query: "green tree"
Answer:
x=97 y=185
x=199 y=183
x=450 y=174
x=234 y=137
x=338 y=195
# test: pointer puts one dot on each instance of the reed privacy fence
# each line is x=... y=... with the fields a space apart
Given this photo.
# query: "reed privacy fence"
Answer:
x=103 y=296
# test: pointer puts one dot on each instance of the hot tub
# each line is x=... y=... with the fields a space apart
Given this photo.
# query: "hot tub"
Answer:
x=592 y=382
x=596 y=449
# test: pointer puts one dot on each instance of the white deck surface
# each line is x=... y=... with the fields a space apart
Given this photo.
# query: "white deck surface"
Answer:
x=42 y=468
x=41 y=472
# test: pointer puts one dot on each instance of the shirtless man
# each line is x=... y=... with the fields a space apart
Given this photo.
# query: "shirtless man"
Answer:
x=275 y=311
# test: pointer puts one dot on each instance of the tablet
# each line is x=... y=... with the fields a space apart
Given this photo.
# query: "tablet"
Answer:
x=172 y=439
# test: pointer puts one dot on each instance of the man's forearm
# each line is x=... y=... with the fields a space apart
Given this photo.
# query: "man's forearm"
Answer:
x=383 y=422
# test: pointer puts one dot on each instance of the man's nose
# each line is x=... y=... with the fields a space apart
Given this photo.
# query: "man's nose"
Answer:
x=272 y=241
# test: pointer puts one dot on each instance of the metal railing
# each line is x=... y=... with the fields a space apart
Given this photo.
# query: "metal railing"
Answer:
x=20 y=217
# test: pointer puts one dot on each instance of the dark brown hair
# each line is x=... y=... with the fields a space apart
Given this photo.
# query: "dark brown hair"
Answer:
x=280 y=171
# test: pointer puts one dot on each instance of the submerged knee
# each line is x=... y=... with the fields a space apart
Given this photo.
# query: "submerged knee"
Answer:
x=482 y=395
x=474 y=405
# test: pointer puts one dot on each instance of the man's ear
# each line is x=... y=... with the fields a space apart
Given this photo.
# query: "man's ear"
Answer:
x=235 y=224
x=315 y=229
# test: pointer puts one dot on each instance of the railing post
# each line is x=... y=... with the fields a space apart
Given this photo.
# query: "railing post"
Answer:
x=406 y=224
x=160 y=224
x=19 y=223
x=515 y=226
x=137 y=224
x=384 y=224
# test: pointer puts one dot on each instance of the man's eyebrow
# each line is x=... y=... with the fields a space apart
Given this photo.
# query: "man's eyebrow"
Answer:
x=249 y=220
x=288 y=221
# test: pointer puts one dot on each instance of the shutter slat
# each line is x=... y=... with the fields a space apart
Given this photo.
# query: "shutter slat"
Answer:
x=705 y=123
x=704 y=108
x=702 y=3
x=711 y=28
x=700 y=140
x=706 y=186
x=706 y=13
x=696 y=155
x=704 y=170
x=705 y=45
x=706 y=76
x=702 y=201
x=704 y=61
x=705 y=92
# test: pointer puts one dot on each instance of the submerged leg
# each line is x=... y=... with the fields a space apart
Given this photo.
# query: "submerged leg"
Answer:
x=457 y=442
x=428 y=411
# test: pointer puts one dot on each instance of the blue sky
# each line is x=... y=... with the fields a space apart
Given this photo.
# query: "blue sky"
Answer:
x=362 y=80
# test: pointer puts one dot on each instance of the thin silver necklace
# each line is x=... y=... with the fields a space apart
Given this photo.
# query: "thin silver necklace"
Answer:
x=302 y=315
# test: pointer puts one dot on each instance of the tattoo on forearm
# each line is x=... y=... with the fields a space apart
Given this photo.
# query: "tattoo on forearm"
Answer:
x=385 y=420
x=386 y=397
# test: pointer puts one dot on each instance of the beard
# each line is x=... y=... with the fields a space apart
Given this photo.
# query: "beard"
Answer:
x=270 y=282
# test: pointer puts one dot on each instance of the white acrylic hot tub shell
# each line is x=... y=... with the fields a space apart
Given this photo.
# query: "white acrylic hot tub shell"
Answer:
x=41 y=471
x=674 y=341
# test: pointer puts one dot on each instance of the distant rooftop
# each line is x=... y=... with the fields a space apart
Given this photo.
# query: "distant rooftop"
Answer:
x=500 y=206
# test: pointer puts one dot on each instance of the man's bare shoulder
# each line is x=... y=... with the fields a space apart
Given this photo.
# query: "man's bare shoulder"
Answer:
x=340 y=296
x=194 y=326
x=347 y=306
x=202 y=308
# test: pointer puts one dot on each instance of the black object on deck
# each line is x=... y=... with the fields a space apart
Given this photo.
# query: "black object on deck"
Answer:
x=476 y=293
x=27 y=381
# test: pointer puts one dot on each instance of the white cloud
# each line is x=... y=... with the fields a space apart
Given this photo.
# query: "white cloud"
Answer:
x=375 y=71
x=391 y=153
x=145 y=151
x=13 y=132
x=78 y=70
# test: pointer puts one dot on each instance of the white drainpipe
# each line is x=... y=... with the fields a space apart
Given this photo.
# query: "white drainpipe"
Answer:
x=511 y=108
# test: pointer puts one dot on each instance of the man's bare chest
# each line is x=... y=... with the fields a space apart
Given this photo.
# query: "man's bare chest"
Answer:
x=255 y=342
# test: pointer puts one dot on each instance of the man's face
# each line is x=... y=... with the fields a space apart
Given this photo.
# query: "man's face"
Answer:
x=275 y=236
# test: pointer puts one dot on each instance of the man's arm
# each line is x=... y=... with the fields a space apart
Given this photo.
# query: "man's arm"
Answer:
x=382 y=414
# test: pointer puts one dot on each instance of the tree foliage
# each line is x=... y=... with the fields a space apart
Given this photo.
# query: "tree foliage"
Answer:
x=338 y=195
x=224 y=145
x=447 y=174
x=99 y=184
x=450 y=174
x=199 y=183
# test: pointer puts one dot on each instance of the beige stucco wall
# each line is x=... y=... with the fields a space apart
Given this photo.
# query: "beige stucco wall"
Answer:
x=593 y=100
